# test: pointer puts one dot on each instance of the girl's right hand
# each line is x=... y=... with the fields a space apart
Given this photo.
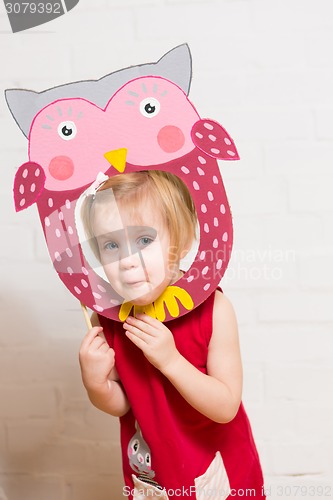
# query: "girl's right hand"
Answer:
x=96 y=358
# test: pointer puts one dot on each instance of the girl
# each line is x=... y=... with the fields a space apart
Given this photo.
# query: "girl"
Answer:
x=177 y=386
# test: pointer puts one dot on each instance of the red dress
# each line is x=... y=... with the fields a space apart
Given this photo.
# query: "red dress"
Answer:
x=163 y=438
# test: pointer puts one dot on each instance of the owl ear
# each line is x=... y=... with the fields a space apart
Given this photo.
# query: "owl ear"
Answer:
x=23 y=106
x=176 y=66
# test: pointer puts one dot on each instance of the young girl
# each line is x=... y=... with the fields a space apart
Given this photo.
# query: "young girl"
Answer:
x=176 y=386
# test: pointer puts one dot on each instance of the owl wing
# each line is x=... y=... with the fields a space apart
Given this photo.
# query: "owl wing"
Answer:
x=28 y=185
x=211 y=138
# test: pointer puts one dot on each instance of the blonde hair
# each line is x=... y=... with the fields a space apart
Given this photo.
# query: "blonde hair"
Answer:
x=164 y=190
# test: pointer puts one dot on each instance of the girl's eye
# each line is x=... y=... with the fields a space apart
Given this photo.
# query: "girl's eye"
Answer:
x=111 y=245
x=144 y=241
x=67 y=130
x=150 y=107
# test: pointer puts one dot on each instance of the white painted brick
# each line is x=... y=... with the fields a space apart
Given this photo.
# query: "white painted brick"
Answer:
x=219 y=17
x=96 y=487
x=30 y=435
x=311 y=194
x=17 y=243
x=295 y=306
x=28 y=401
x=292 y=233
x=260 y=196
x=316 y=270
x=298 y=458
x=299 y=382
x=315 y=48
x=253 y=386
x=34 y=487
x=299 y=159
x=324 y=125
x=269 y=124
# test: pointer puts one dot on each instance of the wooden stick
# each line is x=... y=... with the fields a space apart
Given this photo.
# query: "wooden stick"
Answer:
x=86 y=316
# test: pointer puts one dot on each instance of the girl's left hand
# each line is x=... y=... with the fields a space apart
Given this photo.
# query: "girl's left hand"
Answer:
x=153 y=338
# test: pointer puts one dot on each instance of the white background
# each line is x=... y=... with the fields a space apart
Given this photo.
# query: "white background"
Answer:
x=264 y=70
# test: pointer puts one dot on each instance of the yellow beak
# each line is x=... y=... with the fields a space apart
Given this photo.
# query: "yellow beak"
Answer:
x=117 y=158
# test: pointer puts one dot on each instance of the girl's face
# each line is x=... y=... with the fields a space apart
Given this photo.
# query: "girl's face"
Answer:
x=136 y=258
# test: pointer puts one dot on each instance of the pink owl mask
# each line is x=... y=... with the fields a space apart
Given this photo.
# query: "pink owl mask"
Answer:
x=138 y=118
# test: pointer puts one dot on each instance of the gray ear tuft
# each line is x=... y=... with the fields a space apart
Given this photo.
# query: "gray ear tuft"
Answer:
x=23 y=106
x=176 y=65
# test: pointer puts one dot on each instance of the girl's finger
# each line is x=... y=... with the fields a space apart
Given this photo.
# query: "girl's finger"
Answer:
x=88 y=339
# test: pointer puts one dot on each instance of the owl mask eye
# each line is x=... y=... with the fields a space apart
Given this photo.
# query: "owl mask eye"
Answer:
x=150 y=107
x=67 y=130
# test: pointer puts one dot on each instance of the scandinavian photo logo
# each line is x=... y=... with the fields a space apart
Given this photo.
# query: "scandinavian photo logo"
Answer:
x=24 y=15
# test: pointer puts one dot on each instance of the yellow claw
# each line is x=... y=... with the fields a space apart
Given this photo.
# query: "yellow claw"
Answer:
x=168 y=298
x=156 y=309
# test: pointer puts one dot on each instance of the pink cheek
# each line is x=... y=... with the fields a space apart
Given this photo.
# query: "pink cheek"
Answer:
x=61 y=168
x=170 y=139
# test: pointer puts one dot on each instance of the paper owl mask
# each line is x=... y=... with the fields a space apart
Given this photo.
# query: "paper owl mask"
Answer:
x=135 y=119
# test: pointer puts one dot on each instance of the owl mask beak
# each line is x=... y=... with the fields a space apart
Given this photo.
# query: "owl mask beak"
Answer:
x=117 y=158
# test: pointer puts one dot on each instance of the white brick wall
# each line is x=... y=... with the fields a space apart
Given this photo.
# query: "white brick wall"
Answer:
x=270 y=63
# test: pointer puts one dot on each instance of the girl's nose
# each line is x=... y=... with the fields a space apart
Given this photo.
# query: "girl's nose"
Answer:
x=129 y=260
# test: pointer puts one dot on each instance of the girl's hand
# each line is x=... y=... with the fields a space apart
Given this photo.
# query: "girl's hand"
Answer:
x=153 y=338
x=96 y=358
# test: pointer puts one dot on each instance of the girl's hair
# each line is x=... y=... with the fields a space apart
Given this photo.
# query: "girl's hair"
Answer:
x=163 y=190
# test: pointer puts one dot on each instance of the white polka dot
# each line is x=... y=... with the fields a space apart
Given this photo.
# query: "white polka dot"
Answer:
x=198 y=135
x=25 y=173
x=222 y=209
x=208 y=126
x=68 y=204
x=37 y=172
x=33 y=187
x=212 y=137
x=190 y=278
x=69 y=252
x=206 y=228
x=200 y=171
x=215 y=243
x=206 y=287
x=210 y=196
x=227 y=141
x=185 y=170
x=215 y=151
x=196 y=185
x=50 y=202
x=203 y=208
x=216 y=222
x=70 y=270
x=98 y=308
x=205 y=270
x=22 y=202
x=225 y=237
x=61 y=216
x=70 y=229
x=84 y=270
x=21 y=189
x=84 y=283
x=202 y=160
x=97 y=295
x=77 y=289
x=202 y=255
x=219 y=264
x=57 y=256
x=58 y=233
x=47 y=221
x=101 y=288
x=215 y=180
x=114 y=302
x=231 y=153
